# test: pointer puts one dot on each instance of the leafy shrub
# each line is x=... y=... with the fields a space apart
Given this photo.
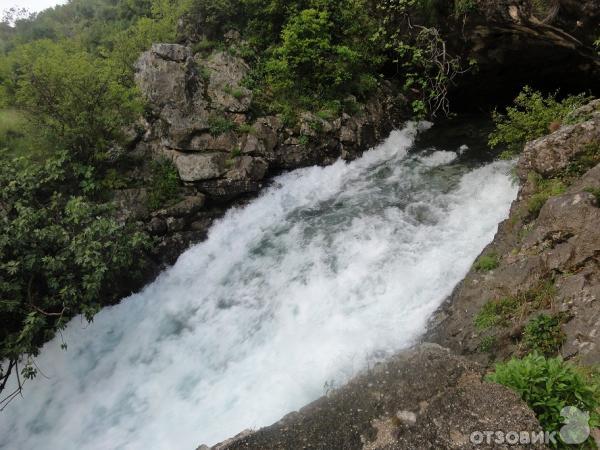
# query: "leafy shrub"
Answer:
x=308 y=60
x=164 y=184
x=543 y=334
x=18 y=138
x=62 y=255
x=487 y=262
x=548 y=386
x=585 y=161
x=530 y=118
x=73 y=97
x=464 y=7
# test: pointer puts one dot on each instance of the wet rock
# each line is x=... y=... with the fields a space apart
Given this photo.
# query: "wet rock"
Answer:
x=224 y=190
x=560 y=248
x=422 y=398
x=157 y=226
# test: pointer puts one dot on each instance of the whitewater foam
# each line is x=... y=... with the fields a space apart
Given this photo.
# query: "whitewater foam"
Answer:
x=328 y=270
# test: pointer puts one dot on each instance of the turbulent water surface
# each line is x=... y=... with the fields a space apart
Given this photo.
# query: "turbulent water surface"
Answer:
x=328 y=270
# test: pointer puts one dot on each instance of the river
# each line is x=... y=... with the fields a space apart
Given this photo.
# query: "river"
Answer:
x=329 y=270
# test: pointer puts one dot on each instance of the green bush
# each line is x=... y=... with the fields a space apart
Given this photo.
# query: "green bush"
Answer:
x=487 y=262
x=71 y=96
x=543 y=334
x=308 y=60
x=165 y=184
x=548 y=385
x=464 y=7
x=62 y=254
x=530 y=118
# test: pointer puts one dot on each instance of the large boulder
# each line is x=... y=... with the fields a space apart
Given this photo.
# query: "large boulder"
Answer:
x=422 y=398
x=169 y=80
x=553 y=153
x=194 y=167
x=225 y=89
x=163 y=75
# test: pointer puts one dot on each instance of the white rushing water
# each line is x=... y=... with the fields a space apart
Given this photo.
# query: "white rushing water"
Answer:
x=328 y=270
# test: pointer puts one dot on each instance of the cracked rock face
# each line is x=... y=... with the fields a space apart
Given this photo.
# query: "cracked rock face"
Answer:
x=422 y=398
x=200 y=108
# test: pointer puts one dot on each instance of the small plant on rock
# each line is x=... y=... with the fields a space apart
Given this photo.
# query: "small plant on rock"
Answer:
x=545 y=188
x=487 y=344
x=501 y=312
x=218 y=125
x=496 y=312
x=544 y=334
x=487 y=262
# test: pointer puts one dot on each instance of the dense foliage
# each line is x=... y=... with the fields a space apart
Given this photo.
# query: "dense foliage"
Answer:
x=67 y=96
x=548 y=385
x=533 y=115
x=62 y=254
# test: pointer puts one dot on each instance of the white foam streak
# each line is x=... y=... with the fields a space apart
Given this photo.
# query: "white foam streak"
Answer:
x=328 y=269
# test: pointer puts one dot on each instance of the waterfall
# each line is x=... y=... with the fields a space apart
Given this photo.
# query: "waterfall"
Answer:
x=329 y=270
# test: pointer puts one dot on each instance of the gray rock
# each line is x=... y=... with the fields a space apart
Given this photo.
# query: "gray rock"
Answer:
x=189 y=206
x=224 y=190
x=162 y=81
x=132 y=204
x=247 y=168
x=561 y=245
x=225 y=142
x=550 y=154
x=157 y=226
x=200 y=166
x=224 y=88
x=172 y=52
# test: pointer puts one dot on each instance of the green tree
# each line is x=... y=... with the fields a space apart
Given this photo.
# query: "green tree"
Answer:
x=72 y=96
